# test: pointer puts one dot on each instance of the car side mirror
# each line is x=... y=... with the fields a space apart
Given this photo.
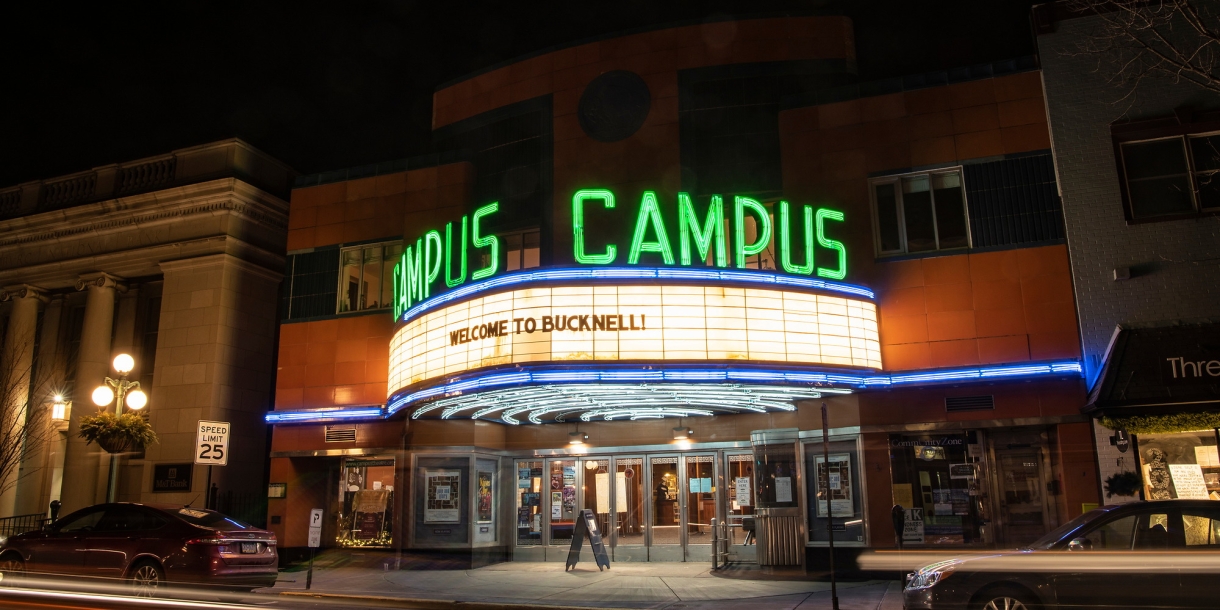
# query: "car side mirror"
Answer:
x=1080 y=544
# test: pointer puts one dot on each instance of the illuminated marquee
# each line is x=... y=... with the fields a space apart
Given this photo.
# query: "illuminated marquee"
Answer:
x=634 y=323
x=424 y=262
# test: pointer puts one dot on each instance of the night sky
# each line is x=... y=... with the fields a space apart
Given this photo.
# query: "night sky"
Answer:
x=330 y=85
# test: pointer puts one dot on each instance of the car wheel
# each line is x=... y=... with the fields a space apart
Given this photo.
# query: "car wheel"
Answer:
x=1005 y=599
x=147 y=580
x=11 y=567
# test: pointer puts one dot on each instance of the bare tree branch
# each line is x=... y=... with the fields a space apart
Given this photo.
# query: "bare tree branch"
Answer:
x=1178 y=40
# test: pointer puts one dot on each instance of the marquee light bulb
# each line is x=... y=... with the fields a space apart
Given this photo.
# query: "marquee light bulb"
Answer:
x=103 y=396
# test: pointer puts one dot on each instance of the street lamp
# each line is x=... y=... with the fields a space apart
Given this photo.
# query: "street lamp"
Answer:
x=127 y=392
x=59 y=408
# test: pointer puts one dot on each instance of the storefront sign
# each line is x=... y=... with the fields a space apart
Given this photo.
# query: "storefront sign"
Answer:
x=172 y=477
x=636 y=323
x=797 y=230
x=1196 y=370
x=928 y=441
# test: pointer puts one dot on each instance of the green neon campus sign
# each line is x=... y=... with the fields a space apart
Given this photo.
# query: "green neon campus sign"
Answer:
x=421 y=263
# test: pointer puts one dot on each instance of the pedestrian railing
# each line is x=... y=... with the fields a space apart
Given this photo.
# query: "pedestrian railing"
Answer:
x=721 y=540
x=20 y=524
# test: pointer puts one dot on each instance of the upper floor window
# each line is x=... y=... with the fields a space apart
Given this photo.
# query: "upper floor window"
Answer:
x=1172 y=176
x=366 y=276
x=522 y=250
x=919 y=212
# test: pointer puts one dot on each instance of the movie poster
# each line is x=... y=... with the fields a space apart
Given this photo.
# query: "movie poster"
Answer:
x=443 y=496
x=839 y=492
x=486 y=496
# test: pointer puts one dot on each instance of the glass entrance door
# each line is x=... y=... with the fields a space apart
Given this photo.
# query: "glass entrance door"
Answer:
x=561 y=502
x=665 y=509
x=700 y=485
x=1023 y=514
x=595 y=493
x=739 y=484
x=630 y=523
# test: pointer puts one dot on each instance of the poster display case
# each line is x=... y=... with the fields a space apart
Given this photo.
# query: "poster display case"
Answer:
x=835 y=492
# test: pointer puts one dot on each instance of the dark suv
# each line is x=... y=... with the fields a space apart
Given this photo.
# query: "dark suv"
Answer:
x=1160 y=554
x=148 y=545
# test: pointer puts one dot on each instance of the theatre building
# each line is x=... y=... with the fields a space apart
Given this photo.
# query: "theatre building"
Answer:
x=632 y=274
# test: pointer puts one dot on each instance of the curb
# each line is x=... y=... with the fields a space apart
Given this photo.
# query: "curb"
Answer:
x=446 y=604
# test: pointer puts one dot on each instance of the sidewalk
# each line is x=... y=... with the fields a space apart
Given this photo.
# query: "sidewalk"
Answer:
x=686 y=586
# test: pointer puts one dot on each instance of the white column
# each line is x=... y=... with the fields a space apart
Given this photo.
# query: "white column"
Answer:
x=82 y=463
x=34 y=480
x=16 y=368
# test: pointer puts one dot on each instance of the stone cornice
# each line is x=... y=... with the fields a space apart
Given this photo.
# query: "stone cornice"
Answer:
x=176 y=204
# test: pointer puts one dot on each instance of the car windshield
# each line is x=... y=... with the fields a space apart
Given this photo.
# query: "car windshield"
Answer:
x=211 y=519
x=1049 y=540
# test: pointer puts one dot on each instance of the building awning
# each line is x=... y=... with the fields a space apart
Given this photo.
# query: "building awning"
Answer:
x=1163 y=369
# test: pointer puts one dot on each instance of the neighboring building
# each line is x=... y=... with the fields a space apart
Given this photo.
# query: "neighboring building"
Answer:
x=904 y=263
x=175 y=260
x=1135 y=166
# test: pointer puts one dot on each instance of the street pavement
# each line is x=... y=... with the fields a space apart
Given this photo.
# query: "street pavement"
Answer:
x=676 y=586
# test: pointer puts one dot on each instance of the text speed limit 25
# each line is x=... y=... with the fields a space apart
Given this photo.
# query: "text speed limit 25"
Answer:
x=212 y=443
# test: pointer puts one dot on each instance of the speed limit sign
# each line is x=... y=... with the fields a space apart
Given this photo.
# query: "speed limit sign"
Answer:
x=212 y=443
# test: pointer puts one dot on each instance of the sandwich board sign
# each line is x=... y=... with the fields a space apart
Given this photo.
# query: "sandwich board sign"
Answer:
x=212 y=443
x=586 y=526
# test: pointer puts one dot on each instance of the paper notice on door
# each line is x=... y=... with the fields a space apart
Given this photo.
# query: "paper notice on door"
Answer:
x=743 y=491
x=620 y=498
x=602 y=481
x=902 y=495
x=783 y=489
x=1188 y=481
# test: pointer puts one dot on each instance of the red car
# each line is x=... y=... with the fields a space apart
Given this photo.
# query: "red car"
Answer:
x=149 y=546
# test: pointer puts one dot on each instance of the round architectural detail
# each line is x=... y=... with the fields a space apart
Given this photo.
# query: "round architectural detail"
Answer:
x=614 y=106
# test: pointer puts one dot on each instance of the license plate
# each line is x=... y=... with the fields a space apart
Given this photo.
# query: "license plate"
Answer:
x=249 y=547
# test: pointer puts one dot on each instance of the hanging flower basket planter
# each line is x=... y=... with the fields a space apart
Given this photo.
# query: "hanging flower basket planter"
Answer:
x=116 y=444
x=117 y=433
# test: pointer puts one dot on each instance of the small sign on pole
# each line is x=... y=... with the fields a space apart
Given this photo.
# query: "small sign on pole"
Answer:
x=315 y=541
x=212 y=443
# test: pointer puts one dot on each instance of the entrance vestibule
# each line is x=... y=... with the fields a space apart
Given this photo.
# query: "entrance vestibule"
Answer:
x=653 y=507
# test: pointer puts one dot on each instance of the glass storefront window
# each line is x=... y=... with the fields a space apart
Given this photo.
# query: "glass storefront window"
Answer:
x=1179 y=465
x=840 y=498
x=936 y=480
x=529 y=503
x=563 y=500
x=366 y=495
x=629 y=500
